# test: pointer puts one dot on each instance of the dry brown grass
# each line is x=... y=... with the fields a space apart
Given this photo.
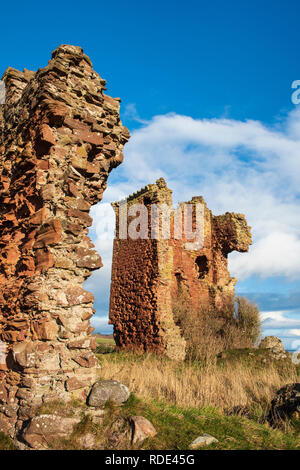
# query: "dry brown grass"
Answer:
x=187 y=385
x=208 y=330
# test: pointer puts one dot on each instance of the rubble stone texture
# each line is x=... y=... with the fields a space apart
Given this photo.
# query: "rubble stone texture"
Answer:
x=149 y=274
x=285 y=405
x=60 y=136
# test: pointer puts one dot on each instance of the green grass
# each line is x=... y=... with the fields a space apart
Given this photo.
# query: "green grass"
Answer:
x=177 y=427
x=60 y=408
x=105 y=345
x=105 y=341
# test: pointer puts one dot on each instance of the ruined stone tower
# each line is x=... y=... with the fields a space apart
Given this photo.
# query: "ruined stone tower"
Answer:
x=60 y=136
x=148 y=273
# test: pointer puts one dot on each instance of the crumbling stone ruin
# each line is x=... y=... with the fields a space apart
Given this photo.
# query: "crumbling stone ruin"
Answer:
x=60 y=136
x=285 y=405
x=149 y=273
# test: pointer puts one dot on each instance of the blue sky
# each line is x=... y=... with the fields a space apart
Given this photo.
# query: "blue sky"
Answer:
x=205 y=86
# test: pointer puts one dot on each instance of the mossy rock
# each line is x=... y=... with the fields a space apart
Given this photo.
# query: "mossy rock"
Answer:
x=6 y=443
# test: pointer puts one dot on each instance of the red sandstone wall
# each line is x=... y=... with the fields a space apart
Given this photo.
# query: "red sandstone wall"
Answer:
x=133 y=295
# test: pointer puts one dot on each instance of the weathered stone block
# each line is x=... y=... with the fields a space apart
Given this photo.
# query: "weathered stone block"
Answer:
x=45 y=330
x=108 y=390
x=43 y=428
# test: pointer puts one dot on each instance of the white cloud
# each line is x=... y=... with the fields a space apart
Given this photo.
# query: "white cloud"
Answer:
x=277 y=253
x=280 y=320
x=294 y=332
x=282 y=324
x=237 y=166
x=101 y=324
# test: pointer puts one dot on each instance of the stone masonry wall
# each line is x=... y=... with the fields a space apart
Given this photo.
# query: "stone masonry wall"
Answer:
x=149 y=274
x=60 y=136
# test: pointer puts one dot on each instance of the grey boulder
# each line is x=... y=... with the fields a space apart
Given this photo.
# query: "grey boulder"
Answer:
x=204 y=440
x=108 y=390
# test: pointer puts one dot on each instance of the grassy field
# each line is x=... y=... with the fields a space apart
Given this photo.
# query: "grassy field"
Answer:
x=105 y=345
x=178 y=426
x=228 y=399
x=241 y=381
x=108 y=341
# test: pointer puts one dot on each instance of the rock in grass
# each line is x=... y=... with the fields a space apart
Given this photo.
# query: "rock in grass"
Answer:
x=273 y=343
x=141 y=429
x=285 y=405
x=201 y=441
x=108 y=390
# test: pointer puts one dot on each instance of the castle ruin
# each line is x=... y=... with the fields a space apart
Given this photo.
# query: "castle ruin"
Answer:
x=148 y=273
